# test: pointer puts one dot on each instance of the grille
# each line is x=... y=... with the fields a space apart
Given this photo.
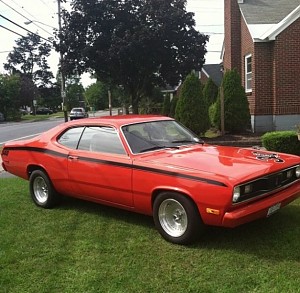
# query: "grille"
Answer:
x=268 y=184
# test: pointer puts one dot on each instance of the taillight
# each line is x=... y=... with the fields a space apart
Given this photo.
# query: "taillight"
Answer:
x=5 y=152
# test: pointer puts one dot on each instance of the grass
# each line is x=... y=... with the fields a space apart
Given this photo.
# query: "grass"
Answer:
x=84 y=247
x=41 y=117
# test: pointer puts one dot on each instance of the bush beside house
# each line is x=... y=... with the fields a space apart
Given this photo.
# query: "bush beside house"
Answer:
x=236 y=106
x=282 y=142
x=191 y=109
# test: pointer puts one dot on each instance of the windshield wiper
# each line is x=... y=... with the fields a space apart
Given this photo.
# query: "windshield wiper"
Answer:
x=188 y=141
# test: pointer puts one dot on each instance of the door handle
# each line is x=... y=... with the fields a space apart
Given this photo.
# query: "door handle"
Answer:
x=72 y=158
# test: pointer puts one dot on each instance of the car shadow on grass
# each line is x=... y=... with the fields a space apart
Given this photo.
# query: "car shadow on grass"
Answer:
x=276 y=237
x=82 y=206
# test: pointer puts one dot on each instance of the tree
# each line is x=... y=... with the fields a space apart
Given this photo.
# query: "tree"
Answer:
x=29 y=58
x=236 y=106
x=10 y=96
x=75 y=95
x=97 y=95
x=138 y=44
x=210 y=92
x=191 y=109
x=28 y=91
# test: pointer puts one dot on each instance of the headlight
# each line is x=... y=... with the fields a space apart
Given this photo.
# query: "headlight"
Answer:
x=236 y=194
x=298 y=172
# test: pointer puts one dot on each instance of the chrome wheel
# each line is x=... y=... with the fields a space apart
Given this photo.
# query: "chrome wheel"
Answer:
x=173 y=217
x=40 y=189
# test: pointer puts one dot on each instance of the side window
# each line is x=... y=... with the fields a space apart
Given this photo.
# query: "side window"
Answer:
x=248 y=73
x=101 y=139
x=70 y=138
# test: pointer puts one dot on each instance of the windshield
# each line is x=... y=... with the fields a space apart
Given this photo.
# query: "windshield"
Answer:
x=148 y=136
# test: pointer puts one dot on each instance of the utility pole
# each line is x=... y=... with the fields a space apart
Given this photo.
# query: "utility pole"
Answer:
x=222 y=110
x=62 y=68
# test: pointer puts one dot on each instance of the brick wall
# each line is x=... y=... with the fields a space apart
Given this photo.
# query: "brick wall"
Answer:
x=287 y=71
x=263 y=78
x=232 y=42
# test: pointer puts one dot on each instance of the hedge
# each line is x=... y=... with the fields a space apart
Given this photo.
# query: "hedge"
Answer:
x=282 y=141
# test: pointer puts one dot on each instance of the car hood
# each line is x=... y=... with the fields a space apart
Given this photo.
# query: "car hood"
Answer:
x=231 y=163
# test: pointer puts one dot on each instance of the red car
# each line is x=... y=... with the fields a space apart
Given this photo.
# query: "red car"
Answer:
x=155 y=166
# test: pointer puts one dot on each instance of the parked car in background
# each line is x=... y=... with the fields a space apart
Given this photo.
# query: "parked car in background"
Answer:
x=155 y=166
x=23 y=111
x=1 y=117
x=42 y=111
x=78 y=113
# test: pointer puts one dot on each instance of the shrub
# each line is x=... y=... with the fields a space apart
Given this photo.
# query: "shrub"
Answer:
x=281 y=141
x=212 y=113
x=210 y=92
x=236 y=106
x=191 y=109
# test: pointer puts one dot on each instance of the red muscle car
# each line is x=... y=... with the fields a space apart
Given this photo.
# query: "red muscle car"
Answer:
x=155 y=166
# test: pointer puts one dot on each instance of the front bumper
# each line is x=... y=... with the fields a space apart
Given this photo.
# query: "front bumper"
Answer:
x=259 y=209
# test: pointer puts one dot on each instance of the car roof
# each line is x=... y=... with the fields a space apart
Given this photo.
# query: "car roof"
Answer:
x=120 y=120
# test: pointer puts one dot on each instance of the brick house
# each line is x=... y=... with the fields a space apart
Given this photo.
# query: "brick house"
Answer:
x=262 y=41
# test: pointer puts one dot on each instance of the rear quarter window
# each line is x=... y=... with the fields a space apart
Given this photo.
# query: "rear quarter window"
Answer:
x=71 y=137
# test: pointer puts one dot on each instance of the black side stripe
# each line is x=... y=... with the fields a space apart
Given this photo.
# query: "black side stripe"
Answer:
x=123 y=165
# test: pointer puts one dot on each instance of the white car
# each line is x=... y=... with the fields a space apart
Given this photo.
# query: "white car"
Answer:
x=78 y=113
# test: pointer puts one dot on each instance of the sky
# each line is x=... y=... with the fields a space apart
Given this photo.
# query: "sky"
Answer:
x=40 y=16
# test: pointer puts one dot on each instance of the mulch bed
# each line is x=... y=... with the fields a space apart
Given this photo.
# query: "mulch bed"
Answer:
x=244 y=140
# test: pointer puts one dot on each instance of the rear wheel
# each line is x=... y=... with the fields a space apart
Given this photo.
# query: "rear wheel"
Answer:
x=41 y=190
x=177 y=218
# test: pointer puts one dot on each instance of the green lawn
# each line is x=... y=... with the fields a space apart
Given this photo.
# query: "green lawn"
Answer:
x=84 y=247
x=41 y=117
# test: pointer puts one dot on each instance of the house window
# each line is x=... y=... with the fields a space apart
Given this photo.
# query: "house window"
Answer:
x=248 y=73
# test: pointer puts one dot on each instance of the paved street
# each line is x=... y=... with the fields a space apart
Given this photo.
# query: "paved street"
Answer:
x=21 y=130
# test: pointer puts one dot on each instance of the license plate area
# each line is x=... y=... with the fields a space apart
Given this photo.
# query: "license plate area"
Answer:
x=273 y=209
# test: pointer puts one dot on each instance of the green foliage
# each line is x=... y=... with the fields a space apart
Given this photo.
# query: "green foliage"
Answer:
x=153 y=103
x=210 y=92
x=138 y=44
x=166 y=105
x=29 y=91
x=97 y=95
x=75 y=95
x=212 y=113
x=236 y=106
x=51 y=97
x=29 y=58
x=282 y=141
x=191 y=109
x=10 y=96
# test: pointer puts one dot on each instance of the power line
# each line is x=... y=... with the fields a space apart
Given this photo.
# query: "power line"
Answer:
x=24 y=28
x=11 y=31
x=25 y=17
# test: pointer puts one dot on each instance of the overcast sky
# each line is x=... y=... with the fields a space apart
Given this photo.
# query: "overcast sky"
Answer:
x=209 y=18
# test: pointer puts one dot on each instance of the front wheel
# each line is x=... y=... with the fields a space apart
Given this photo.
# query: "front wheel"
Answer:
x=177 y=218
x=41 y=190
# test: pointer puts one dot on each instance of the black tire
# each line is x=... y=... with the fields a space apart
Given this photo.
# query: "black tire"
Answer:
x=177 y=218
x=41 y=190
